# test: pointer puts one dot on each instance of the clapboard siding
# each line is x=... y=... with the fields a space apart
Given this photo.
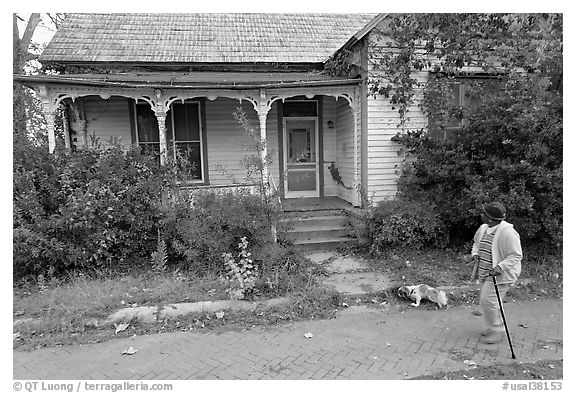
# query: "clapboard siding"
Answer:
x=385 y=157
x=345 y=147
x=228 y=143
x=329 y=138
x=108 y=119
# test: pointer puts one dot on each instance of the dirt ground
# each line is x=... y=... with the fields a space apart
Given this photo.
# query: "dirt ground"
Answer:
x=548 y=370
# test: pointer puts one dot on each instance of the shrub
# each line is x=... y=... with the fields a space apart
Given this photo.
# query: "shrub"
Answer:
x=86 y=209
x=510 y=151
x=213 y=223
x=405 y=224
x=282 y=269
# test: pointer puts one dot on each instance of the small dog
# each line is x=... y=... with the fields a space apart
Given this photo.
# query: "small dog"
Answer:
x=423 y=291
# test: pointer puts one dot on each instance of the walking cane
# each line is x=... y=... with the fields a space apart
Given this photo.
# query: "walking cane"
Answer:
x=503 y=318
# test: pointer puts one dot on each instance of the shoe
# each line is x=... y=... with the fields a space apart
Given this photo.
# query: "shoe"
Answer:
x=492 y=337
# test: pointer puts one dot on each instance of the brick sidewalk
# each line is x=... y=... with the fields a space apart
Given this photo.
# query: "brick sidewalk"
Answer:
x=361 y=343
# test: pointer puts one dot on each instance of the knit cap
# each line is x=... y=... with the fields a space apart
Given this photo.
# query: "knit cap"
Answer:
x=494 y=210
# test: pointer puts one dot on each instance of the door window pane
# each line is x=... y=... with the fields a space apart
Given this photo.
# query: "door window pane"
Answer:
x=302 y=180
x=299 y=109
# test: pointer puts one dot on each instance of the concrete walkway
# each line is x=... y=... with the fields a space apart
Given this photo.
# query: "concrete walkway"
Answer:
x=360 y=343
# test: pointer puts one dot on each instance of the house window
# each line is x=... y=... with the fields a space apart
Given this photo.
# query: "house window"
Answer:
x=183 y=134
x=147 y=130
x=458 y=97
x=185 y=138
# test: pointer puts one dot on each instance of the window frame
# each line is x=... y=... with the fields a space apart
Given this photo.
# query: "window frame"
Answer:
x=200 y=142
x=171 y=142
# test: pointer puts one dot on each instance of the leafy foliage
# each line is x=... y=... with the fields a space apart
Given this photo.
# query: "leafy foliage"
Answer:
x=511 y=151
x=241 y=273
x=159 y=258
x=207 y=224
x=93 y=208
x=452 y=43
x=404 y=224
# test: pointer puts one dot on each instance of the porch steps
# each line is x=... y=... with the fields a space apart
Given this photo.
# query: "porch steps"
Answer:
x=314 y=230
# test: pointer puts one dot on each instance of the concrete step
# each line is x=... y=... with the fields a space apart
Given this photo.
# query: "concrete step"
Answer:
x=325 y=244
x=312 y=213
x=319 y=233
x=318 y=222
x=314 y=230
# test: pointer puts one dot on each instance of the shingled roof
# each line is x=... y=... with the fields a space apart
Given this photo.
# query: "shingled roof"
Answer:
x=202 y=38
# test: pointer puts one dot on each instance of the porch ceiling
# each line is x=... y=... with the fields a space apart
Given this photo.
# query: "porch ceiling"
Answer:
x=203 y=80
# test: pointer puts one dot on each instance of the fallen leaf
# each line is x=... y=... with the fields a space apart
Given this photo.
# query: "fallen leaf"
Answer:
x=129 y=351
x=546 y=346
x=470 y=362
x=220 y=315
x=551 y=366
x=308 y=335
x=523 y=325
x=344 y=304
x=16 y=336
x=121 y=327
x=388 y=344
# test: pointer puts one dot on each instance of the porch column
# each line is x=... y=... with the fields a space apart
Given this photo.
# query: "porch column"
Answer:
x=67 y=141
x=356 y=118
x=48 y=110
x=263 y=109
x=160 y=112
x=49 y=115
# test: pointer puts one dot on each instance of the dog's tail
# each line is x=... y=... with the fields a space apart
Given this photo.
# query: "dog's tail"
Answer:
x=442 y=298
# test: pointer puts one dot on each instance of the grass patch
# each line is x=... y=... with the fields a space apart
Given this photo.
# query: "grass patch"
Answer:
x=73 y=311
x=541 y=275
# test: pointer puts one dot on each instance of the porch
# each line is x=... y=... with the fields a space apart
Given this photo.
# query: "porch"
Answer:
x=305 y=126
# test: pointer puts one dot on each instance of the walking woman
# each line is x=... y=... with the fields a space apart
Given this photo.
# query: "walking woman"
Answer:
x=497 y=251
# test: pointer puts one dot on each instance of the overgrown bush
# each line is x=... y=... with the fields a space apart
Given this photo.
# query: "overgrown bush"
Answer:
x=210 y=224
x=88 y=209
x=510 y=151
x=404 y=224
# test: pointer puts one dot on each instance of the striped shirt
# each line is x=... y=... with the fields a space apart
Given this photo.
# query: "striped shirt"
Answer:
x=485 y=255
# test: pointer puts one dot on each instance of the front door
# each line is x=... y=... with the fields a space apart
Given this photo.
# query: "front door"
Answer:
x=300 y=158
